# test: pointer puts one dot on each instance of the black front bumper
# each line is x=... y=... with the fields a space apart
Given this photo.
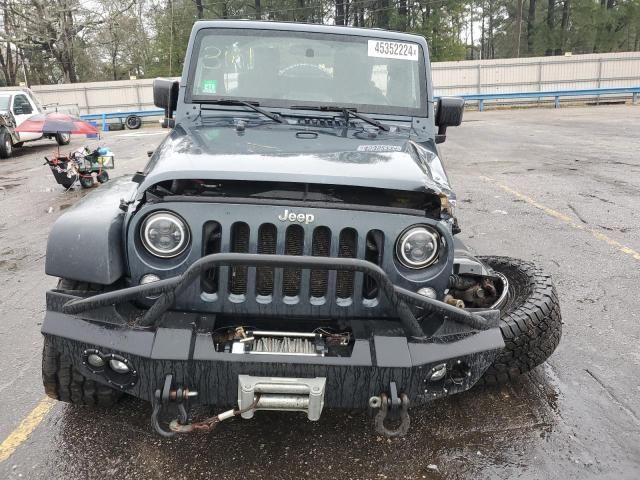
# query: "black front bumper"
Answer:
x=384 y=351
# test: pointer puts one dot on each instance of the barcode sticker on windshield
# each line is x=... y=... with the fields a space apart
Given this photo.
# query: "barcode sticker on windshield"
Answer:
x=386 y=49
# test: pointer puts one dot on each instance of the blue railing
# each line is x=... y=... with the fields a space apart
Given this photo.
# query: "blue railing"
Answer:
x=555 y=94
x=479 y=97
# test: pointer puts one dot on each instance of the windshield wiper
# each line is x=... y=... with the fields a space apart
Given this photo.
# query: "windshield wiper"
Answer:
x=252 y=105
x=346 y=112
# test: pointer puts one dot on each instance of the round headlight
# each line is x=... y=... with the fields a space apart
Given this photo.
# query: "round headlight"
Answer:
x=418 y=247
x=164 y=234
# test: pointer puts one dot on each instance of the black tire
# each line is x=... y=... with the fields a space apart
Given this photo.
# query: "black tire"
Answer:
x=86 y=181
x=65 y=382
x=63 y=138
x=103 y=176
x=6 y=144
x=133 y=122
x=530 y=320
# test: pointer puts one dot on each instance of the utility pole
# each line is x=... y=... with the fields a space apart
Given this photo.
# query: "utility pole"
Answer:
x=520 y=6
x=171 y=41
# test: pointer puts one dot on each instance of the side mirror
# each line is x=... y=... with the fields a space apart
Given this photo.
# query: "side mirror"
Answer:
x=165 y=96
x=449 y=114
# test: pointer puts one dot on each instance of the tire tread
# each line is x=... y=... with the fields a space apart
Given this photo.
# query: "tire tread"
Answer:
x=532 y=330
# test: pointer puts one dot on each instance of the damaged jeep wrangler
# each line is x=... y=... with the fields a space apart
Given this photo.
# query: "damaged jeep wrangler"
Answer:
x=290 y=245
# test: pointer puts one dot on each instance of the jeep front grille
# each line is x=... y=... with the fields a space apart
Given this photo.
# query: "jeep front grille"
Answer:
x=291 y=284
x=239 y=244
x=293 y=245
x=321 y=244
x=346 y=249
x=266 y=245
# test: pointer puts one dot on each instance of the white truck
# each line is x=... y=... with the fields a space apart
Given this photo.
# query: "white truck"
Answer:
x=15 y=107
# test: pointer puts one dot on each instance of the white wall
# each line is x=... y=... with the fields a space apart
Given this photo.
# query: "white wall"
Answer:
x=537 y=74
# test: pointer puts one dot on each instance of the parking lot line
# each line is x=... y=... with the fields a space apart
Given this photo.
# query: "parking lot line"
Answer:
x=26 y=427
x=565 y=219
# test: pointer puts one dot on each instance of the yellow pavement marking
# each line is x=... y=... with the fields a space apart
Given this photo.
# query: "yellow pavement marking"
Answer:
x=566 y=219
x=26 y=427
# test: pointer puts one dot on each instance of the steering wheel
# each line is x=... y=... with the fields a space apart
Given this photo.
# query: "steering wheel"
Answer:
x=304 y=70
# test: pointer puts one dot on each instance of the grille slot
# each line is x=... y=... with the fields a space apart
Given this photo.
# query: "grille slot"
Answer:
x=372 y=253
x=239 y=244
x=294 y=245
x=267 y=238
x=212 y=239
x=347 y=248
x=320 y=247
x=292 y=284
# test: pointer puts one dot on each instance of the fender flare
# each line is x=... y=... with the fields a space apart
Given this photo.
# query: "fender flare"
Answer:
x=86 y=242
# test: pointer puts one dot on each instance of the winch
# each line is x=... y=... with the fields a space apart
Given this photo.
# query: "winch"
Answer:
x=281 y=393
x=318 y=343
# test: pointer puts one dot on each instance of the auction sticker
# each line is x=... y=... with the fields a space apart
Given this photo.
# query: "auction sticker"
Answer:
x=399 y=50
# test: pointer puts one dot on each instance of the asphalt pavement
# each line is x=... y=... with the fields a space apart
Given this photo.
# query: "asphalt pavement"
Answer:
x=558 y=187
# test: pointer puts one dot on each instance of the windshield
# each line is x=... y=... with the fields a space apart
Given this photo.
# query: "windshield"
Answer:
x=4 y=103
x=284 y=69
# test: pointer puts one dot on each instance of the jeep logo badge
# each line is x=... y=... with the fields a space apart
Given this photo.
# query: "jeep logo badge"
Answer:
x=288 y=216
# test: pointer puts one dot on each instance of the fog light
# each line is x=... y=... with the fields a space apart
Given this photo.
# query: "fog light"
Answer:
x=147 y=279
x=437 y=373
x=95 y=360
x=118 y=366
x=428 y=292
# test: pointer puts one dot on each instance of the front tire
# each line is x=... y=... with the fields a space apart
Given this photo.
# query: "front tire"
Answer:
x=6 y=145
x=63 y=138
x=530 y=319
x=62 y=381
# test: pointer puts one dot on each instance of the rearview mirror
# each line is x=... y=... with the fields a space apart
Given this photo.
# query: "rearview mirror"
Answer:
x=165 y=96
x=449 y=114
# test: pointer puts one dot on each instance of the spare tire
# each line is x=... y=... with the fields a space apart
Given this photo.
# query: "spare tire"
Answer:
x=133 y=122
x=530 y=319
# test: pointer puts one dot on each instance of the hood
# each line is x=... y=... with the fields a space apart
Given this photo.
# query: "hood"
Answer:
x=288 y=153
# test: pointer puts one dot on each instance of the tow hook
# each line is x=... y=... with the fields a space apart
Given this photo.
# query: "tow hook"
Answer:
x=162 y=399
x=393 y=408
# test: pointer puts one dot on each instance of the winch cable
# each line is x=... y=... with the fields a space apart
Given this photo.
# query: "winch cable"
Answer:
x=209 y=424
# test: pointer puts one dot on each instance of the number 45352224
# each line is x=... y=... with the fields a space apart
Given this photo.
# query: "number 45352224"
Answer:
x=386 y=49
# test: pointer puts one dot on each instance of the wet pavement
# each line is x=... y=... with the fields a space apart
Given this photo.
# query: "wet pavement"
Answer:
x=559 y=187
